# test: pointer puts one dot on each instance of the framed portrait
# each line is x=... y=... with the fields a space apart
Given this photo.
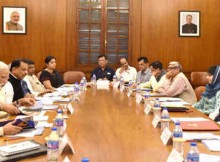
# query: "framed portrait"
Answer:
x=189 y=23
x=14 y=20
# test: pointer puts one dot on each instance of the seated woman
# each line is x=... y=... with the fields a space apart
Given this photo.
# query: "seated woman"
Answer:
x=49 y=77
x=210 y=101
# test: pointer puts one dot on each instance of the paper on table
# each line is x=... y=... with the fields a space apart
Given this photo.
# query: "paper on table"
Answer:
x=50 y=107
x=206 y=157
x=25 y=133
x=189 y=119
x=199 y=136
x=170 y=99
x=174 y=104
x=213 y=145
x=43 y=124
x=40 y=118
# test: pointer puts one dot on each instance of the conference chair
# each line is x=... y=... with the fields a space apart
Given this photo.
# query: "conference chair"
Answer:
x=70 y=77
x=198 y=91
x=198 y=79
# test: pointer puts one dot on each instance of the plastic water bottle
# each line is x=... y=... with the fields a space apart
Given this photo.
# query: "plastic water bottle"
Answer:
x=129 y=88
x=85 y=160
x=156 y=108
x=165 y=119
x=53 y=146
x=177 y=132
x=193 y=154
x=147 y=102
x=76 y=92
x=178 y=138
x=82 y=85
x=94 y=79
x=121 y=84
x=114 y=79
x=59 y=123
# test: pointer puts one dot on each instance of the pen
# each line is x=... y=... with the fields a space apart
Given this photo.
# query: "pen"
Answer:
x=12 y=138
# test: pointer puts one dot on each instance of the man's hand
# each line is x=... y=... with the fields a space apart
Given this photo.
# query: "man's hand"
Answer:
x=10 y=129
x=169 y=75
x=29 y=95
x=10 y=109
x=26 y=101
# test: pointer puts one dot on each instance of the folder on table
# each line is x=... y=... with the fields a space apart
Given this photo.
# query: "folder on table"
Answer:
x=199 y=125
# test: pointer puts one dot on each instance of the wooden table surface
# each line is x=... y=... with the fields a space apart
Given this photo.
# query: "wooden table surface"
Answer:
x=107 y=126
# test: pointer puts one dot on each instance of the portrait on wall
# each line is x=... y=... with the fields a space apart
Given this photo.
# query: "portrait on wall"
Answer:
x=14 y=20
x=189 y=23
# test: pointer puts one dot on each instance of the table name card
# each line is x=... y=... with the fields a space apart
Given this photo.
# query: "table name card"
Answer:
x=147 y=109
x=166 y=136
x=156 y=121
x=70 y=108
x=138 y=98
x=175 y=156
x=65 y=143
x=116 y=84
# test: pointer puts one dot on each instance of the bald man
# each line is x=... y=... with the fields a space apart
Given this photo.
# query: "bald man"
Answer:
x=177 y=85
x=13 y=23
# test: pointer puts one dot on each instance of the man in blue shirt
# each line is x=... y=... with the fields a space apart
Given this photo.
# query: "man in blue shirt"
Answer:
x=103 y=71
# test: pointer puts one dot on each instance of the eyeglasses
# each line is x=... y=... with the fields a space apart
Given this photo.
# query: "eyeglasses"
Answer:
x=170 y=68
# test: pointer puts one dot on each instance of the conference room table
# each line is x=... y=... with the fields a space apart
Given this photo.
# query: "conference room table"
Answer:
x=109 y=126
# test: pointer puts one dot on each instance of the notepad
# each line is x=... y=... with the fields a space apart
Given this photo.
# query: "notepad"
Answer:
x=18 y=148
x=212 y=145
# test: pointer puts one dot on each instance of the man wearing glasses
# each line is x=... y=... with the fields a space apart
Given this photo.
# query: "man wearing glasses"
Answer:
x=177 y=85
x=126 y=71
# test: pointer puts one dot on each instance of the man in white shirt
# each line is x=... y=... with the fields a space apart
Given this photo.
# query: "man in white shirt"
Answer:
x=9 y=128
x=126 y=71
x=157 y=76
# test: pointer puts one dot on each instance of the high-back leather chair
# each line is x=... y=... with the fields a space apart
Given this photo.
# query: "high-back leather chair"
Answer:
x=198 y=79
x=198 y=91
x=70 y=77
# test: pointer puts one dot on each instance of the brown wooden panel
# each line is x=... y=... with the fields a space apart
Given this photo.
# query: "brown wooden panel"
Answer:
x=52 y=30
x=46 y=33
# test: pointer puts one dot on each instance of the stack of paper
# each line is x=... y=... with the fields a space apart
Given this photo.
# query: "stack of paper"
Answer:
x=213 y=145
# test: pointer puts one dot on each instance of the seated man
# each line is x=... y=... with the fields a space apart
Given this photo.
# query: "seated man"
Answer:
x=18 y=72
x=34 y=85
x=157 y=78
x=144 y=74
x=177 y=85
x=6 y=93
x=103 y=71
x=126 y=71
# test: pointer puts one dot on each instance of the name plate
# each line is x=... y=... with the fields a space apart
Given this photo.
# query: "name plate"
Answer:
x=122 y=88
x=175 y=156
x=166 y=136
x=129 y=93
x=70 y=108
x=147 y=109
x=116 y=84
x=66 y=142
x=156 y=121
x=138 y=98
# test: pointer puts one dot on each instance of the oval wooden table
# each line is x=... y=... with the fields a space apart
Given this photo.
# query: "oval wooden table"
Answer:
x=107 y=126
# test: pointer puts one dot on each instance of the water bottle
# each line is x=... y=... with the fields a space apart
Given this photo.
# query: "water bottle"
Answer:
x=114 y=79
x=165 y=119
x=53 y=146
x=147 y=102
x=76 y=92
x=156 y=108
x=85 y=82
x=178 y=140
x=94 y=79
x=193 y=154
x=59 y=123
x=82 y=86
x=129 y=88
x=121 y=84
x=85 y=160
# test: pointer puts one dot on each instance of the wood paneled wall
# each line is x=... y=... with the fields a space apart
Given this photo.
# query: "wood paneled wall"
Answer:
x=52 y=29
